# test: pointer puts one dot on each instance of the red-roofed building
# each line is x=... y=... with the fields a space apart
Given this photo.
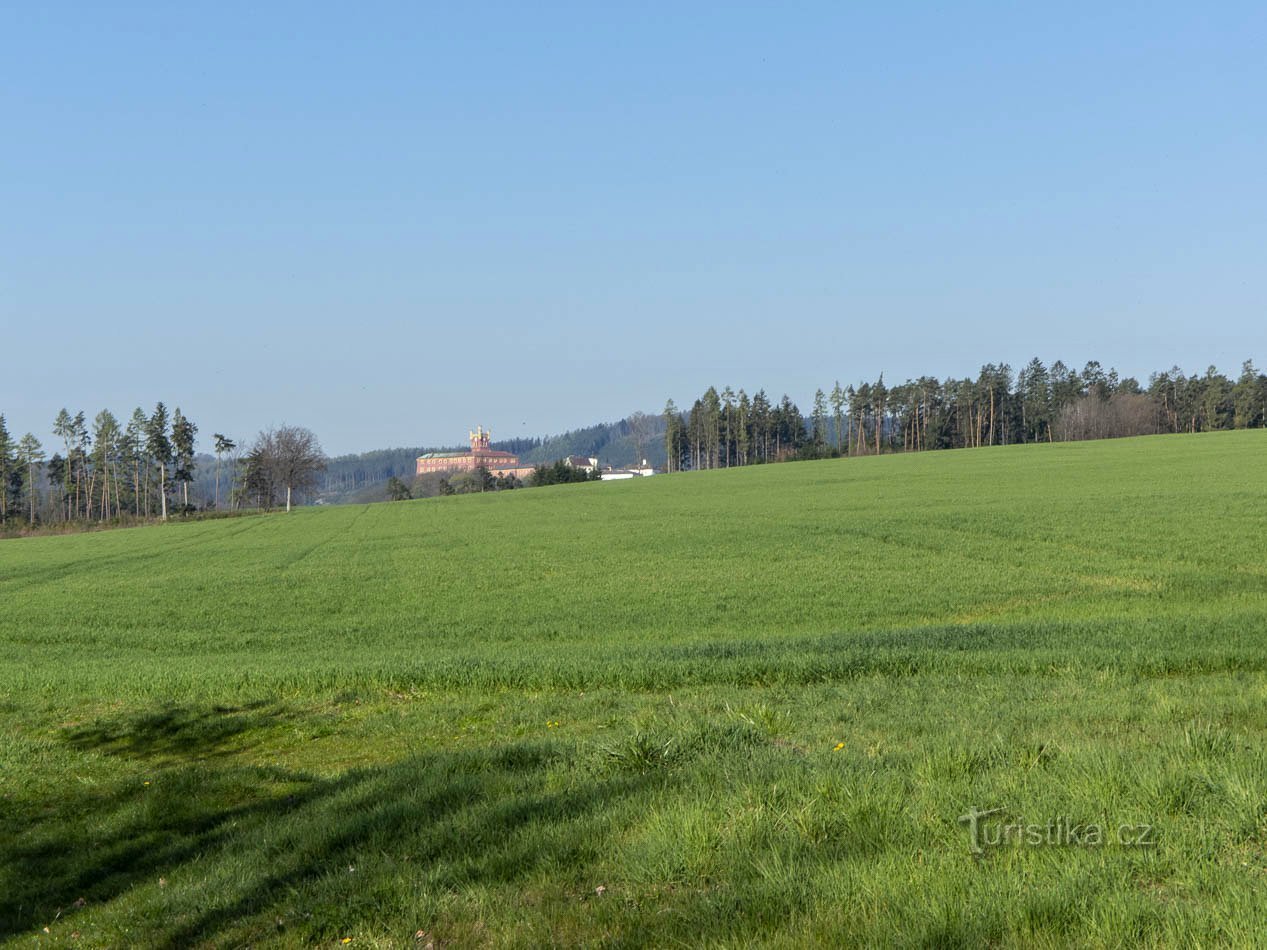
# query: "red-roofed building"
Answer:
x=481 y=455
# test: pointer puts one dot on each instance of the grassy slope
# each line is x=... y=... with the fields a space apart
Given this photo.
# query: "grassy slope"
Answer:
x=463 y=716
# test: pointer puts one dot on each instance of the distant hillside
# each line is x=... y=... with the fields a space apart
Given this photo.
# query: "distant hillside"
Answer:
x=362 y=477
x=351 y=479
x=346 y=474
x=612 y=443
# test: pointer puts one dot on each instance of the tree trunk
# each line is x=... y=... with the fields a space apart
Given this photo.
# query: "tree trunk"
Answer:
x=288 y=498
x=162 y=487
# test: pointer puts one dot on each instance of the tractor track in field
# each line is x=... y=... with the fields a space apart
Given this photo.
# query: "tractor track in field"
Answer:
x=305 y=552
x=45 y=574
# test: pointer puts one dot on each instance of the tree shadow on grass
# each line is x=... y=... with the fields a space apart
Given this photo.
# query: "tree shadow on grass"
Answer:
x=178 y=731
x=250 y=853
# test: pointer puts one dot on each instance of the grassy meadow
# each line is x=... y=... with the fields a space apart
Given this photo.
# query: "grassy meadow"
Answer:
x=732 y=707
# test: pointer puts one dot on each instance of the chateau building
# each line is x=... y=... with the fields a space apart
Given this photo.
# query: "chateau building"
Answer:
x=481 y=454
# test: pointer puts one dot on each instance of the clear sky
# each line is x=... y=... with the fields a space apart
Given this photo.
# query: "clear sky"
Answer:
x=390 y=222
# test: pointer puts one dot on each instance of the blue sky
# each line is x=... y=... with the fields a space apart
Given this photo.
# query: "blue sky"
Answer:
x=390 y=222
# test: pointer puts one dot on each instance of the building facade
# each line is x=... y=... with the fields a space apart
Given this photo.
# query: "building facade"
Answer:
x=480 y=455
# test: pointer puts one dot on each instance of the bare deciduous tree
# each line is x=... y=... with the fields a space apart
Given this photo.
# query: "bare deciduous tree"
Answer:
x=1120 y=415
x=290 y=457
x=639 y=432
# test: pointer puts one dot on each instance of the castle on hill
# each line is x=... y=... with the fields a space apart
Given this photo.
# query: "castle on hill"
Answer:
x=480 y=455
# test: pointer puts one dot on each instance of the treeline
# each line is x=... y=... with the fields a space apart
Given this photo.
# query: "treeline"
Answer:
x=107 y=471
x=101 y=471
x=433 y=484
x=998 y=407
x=561 y=473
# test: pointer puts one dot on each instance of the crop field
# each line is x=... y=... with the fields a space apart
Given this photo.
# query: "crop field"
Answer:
x=722 y=708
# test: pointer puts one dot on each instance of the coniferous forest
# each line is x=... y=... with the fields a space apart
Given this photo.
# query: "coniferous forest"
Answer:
x=1039 y=403
x=107 y=472
x=101 y=471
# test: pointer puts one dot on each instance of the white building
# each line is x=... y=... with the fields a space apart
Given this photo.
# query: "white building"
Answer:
x=619 y=474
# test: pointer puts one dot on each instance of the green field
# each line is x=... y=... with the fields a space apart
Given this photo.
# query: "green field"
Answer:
x=731 y=707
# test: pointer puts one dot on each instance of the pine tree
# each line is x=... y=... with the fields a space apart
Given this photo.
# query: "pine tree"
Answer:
x=761 y=425
x=728 y=423
x=838 y=414
x=183 y=433
x=134 y=443
x=223 y=444
x=1247 y=398
x=879 y=401
x=105 y=438
x=159 y=448
x=743 y=429
x=712 y=428
x=64 y=429
x=31 y=457
x=8 y=465
x=79 y=461
x=1034 y=385
x=672 y=436
x=818 y=422
x=1216 y=403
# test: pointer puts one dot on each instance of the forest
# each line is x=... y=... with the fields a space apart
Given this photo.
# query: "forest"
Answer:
x=110 y=473
x=999 y=407
x=103 y=471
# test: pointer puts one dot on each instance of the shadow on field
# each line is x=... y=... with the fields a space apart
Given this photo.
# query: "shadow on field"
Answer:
x=216 y=852
x=178 y=731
